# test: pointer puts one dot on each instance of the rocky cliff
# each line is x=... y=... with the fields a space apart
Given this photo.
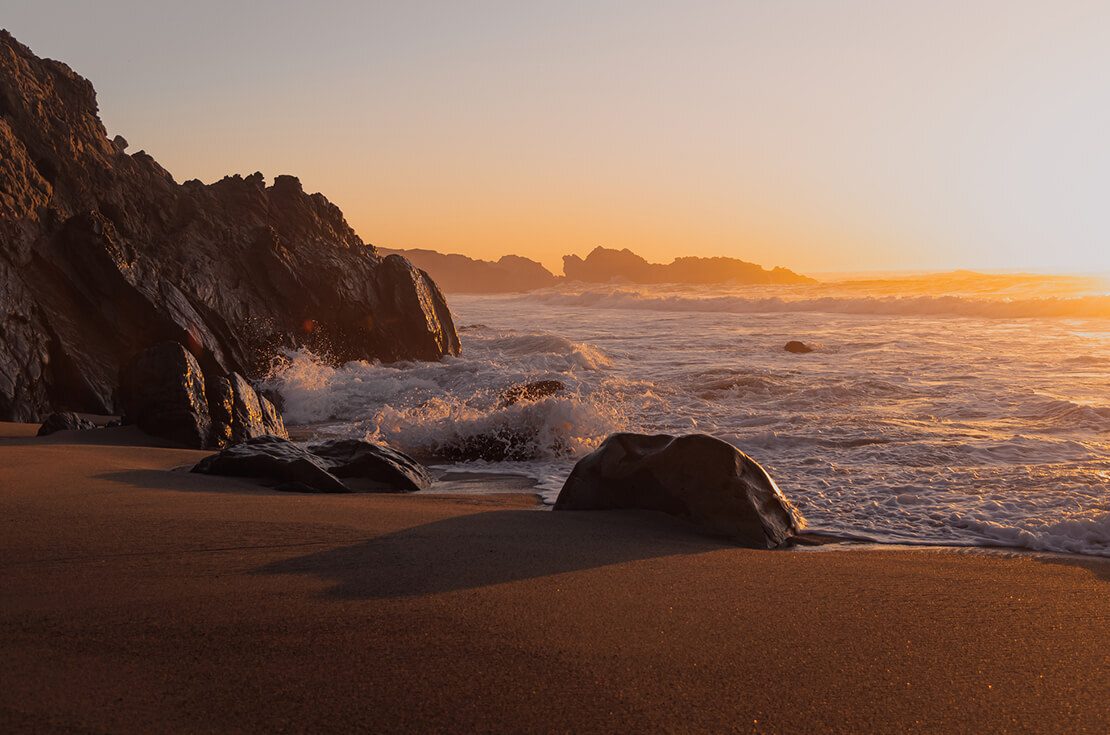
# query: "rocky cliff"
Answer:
x=102 y=254
x=603 y=265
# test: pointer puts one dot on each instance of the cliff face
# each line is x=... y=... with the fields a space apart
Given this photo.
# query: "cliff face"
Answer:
x=460 y=274
x=102 y=254
x=604 y=264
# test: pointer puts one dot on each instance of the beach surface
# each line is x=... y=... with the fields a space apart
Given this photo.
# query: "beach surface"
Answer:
x=134 y=598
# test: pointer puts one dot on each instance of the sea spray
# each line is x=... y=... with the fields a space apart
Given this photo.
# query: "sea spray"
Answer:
x=909 y=425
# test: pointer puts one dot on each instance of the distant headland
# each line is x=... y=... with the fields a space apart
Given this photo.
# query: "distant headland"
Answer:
x=513 y=273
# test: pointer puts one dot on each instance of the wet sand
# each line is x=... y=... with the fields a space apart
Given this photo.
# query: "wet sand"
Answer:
x=134 y=599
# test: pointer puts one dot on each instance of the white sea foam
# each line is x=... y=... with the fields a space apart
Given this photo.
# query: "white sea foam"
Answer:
x=973 y=431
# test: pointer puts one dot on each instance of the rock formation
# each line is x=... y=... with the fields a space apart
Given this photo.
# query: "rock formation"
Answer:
x=363 y=467
x=280 y=462
x=604 y=265
x=460 y=274
x=533 y=391
x=798 y=348
x=64 y=421
x=103 y=254
x=697 y=477
x=165 y=393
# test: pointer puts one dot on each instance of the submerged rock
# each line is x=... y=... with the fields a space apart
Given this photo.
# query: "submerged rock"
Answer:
x=162 y=392
x=64 y=421
x=798 y=348
x=277 y=460
x=530 y=392
x=697 y=477
x=384 y=469
x=103 y=253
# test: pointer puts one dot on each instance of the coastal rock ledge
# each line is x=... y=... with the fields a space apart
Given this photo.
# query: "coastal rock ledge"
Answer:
x=103 y=253
x=697 y=477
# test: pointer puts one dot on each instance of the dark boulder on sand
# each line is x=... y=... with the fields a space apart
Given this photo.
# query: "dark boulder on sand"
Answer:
x=164 y=392
x=363 y=467
x=530 y=392
x=798 y=348
x=696 y=477
x=64 y=421
x=103 y=253
x=384 y=469
x=284 y=464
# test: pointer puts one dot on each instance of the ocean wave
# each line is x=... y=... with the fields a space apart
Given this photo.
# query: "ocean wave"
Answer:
x=1089 y=534
x=1089 y=307
x=452 y=408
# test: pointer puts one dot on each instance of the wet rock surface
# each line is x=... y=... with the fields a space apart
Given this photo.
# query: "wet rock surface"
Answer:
x=103 y=253
x=697 y=477
x=381 y=468
x=280 y=462
x=335 y=466
x=530 y=391
x=239 y=412
x=798 y=348
x=64 y=421
x=164 y=392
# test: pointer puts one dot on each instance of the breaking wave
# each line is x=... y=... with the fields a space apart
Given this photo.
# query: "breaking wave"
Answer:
x=988 y=432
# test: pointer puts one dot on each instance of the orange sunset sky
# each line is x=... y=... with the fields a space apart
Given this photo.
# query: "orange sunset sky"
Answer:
x=821 y=136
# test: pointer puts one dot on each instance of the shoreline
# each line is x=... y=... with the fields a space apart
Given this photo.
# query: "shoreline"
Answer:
x=460 y=483
x=139 y=600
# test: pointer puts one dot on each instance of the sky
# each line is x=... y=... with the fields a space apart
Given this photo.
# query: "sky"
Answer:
x=820 y=135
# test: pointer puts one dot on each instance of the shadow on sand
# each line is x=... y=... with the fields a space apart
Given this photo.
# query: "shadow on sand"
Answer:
x=1099 y=567
x=180 y=479
x=495 y=547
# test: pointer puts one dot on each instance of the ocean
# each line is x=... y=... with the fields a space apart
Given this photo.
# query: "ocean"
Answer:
x=958 y=410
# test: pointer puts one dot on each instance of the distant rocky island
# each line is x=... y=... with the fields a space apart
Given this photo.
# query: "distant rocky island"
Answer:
x=461 y=274
x=604 y=265
x=513 y=273
x=103 y=254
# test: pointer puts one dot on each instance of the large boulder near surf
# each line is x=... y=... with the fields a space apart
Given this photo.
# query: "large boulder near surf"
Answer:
x=697 y=477
x=103 y=253
x=279 y=462
x=334 y=466
x=363 y=465
x=163 y=391
x=64 y=421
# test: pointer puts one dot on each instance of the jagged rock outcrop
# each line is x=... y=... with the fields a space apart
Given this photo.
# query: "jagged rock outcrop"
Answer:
x=697 y=477
x=165 y=393
x=460 y=274
x=103 y=254
x=604 y=265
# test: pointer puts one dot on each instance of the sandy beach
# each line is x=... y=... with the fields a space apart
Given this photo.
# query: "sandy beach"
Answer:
x=136 y=599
